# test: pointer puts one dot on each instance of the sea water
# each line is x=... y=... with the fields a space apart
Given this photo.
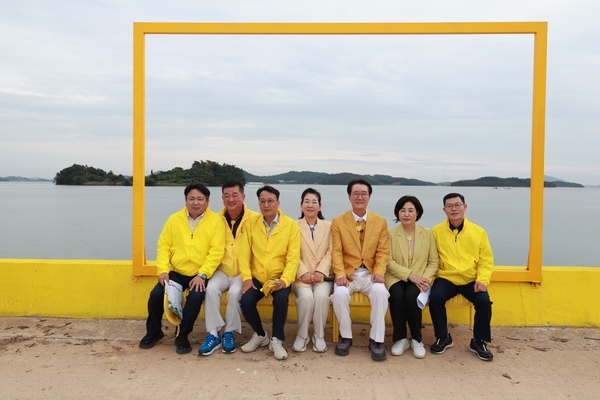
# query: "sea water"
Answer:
x=42 y=220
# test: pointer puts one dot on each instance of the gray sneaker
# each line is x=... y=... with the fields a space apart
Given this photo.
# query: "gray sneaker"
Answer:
x=342 y=348
x=377 y=350
x=255 y=342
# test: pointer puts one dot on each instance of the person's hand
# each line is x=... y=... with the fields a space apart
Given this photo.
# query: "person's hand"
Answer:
x=198 y=284
x=162 y=278
x=421 y=282
x=247 y=285
x=342 y=281
x=318 y=277
x=479 y=287
x=279 y=284
x=306 y=278
x=377 y=278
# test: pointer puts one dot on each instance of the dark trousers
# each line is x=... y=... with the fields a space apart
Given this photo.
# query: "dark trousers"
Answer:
x=442 y=291
x=280 y=308
x=404 y=308
x=191 y=309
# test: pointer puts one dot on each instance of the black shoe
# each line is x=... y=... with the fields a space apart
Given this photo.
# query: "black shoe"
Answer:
x=343 y=347
x=479 y=347
x=148 y=341
x=441 y=345
x=183 y=344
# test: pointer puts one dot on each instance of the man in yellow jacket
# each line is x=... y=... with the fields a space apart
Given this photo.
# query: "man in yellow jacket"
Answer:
x=466 y=266
x=190 y=248
x=268 y=260
x=235 y=216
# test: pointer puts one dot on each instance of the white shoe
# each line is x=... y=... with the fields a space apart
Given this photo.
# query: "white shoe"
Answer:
x=418 y=349
x=255 y=342
x=300 y=344
x=276 y=346
x=400 y=347
x=319 y=344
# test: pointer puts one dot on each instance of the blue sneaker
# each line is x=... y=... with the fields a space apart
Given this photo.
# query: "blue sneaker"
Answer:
x=228 y=343
x=211 y=343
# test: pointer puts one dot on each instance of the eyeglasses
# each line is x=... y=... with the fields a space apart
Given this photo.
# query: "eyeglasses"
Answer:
x=269 y=202
x=453 y=206
x=359 y=194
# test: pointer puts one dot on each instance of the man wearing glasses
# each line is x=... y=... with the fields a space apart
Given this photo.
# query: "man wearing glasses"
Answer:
x=360 y=258
x=466 y=266
x=268 y=259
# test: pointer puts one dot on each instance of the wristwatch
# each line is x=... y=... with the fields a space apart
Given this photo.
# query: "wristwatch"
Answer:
x=203 y=276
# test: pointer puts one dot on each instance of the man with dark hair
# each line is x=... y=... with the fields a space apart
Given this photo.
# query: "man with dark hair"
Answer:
x=466 y=266
x=227 y=277
x=268 y=259
x=190 y=248
x=360 y=258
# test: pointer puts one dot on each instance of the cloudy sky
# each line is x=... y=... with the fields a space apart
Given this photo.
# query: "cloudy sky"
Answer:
x=434 y=108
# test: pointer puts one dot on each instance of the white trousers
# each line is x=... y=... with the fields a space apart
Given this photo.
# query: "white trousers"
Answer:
x=218 y=284
x=378 y=296
x=312 y=303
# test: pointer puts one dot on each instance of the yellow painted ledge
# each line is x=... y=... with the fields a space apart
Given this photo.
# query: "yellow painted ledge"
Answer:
x=106 y=289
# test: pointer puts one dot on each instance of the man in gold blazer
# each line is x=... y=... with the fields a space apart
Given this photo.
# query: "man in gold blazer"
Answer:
x=360 y=258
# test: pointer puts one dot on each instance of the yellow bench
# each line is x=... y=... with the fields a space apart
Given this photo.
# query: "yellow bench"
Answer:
x=359 y=300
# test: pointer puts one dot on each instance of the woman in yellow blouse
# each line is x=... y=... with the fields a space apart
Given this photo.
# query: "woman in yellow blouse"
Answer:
x=412 y=265
x=312 y=292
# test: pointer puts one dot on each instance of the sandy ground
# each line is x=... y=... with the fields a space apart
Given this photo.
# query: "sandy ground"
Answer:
x=100 y=359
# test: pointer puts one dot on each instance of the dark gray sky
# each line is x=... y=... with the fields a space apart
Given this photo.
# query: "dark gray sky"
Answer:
x=428 y=107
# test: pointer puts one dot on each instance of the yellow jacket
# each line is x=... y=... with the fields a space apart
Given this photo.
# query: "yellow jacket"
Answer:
x=189 y=253
x=464 y=257
x=229 y=263
x=315 y=255
x=425 y=261
x=275 y=257
x=347 y=254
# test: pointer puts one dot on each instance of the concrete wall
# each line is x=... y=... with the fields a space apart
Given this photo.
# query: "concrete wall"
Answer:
x=106 y=289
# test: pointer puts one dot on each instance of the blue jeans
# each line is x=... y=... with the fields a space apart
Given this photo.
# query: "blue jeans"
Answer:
x=280 y=308
x=443 y=290
x=191 y=309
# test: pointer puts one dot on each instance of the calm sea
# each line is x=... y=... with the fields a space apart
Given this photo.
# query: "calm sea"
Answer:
x=41 y=220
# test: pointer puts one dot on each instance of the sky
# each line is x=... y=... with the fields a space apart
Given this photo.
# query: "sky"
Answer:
x=436 y=108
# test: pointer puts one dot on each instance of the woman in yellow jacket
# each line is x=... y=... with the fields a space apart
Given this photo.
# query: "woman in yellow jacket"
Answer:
x=312 y=292
x=411 y=268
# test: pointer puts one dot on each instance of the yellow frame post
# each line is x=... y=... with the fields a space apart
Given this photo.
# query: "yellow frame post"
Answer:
x=532 y=272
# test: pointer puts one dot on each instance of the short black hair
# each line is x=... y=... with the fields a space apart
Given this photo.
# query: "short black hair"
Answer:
x=359 y=182
x=316 y=193
x=198 y=186
x=230 y=184
x=269 y=189
x=408 y=199
x=453 y=195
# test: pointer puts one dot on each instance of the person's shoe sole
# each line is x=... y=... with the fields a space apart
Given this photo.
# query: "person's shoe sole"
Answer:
x=481 y=358
x=442 y=351
x=150 y=345
x=340 y=352
x=228 y=351
x=184 y=350
x=378 y=356
x=208 y=353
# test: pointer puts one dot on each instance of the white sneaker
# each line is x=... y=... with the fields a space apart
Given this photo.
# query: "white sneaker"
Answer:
x=255 y=342
x=276 y=346
x=319 y=344
x=300 y=344
x=418 y=349
x=400 y=347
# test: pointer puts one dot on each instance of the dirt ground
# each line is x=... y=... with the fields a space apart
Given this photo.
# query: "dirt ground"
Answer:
x=54 y=358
